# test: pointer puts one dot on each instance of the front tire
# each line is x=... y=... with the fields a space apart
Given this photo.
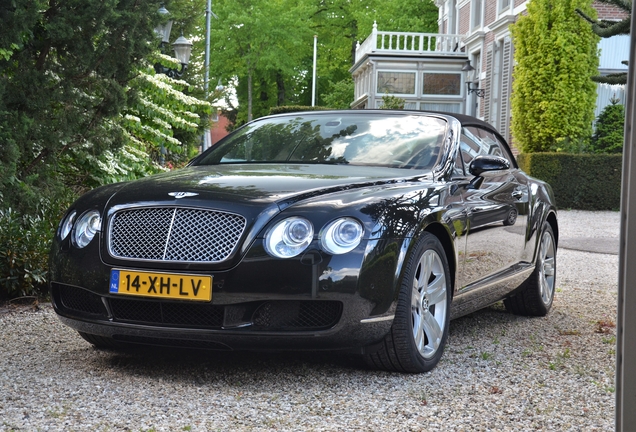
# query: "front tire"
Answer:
x=537 y=293
x=420 y=328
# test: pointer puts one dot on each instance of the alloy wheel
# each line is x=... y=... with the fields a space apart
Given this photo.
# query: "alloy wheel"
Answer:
x=429 y=304
x=546 y=267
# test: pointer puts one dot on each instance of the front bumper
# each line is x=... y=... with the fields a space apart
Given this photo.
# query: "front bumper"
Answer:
x=312 y=302
x=264 y=324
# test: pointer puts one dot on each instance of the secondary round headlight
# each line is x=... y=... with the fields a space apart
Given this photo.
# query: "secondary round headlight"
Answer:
x=289 y=237
x=341 y=236
x=86 y=228
x=67 y=224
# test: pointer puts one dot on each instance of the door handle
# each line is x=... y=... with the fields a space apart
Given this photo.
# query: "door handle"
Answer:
x=517 y=194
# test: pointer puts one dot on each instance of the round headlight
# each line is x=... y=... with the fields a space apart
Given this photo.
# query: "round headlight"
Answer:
x=67 y=224
x=341 y=236
x=86 y=228
x=289 y=237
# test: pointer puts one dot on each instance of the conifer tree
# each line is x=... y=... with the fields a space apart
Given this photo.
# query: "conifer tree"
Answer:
x=610 y=126
x=80 y=104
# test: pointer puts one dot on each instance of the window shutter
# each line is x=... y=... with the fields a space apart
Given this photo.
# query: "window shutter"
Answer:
x=488 y=83
x=506 y=80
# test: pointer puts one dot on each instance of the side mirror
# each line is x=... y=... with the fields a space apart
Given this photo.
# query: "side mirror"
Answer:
x=482 y=164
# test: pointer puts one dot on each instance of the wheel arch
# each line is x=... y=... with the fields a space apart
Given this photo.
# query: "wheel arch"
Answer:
x=445 y=239
x=552 y=220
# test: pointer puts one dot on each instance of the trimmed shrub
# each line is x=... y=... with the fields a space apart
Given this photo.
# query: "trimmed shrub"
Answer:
x=295 y=108
x=25 y=243
x=579 y=181
x=24 y=249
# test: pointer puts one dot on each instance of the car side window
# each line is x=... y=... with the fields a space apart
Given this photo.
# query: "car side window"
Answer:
x=488 y=143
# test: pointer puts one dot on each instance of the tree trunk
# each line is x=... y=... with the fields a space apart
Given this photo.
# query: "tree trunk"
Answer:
x=280 y=85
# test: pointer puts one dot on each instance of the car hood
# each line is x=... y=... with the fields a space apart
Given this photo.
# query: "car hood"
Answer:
x=257 y=192
x=251 y=185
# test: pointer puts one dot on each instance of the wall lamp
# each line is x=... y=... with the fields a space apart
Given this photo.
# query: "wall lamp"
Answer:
x=469 y=72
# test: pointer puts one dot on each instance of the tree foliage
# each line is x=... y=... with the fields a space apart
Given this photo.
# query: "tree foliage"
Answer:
x=340 y=94
x=392 y=102
x=610 y=128
x=258 y=41
x=64 y=73
x=268 y=46
x=553 y=97
x=80 y=106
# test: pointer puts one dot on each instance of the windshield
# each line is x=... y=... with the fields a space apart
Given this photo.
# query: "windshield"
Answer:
x=399 y=141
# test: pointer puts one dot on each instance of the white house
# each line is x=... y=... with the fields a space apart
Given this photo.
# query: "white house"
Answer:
x=430 y=71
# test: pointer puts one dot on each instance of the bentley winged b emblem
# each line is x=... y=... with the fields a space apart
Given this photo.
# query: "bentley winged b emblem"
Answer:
x=182 y=194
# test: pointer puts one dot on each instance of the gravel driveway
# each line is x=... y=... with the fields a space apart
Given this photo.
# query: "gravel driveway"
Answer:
x=499 y=372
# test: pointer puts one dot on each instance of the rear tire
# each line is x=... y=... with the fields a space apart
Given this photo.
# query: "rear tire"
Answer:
x=418 y=335
x=100 y=342
x=537 y=292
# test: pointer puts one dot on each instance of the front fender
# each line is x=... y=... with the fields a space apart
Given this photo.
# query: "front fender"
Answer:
x=542 y=209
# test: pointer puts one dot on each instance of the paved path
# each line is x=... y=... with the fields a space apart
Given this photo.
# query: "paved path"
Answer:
x=587 y=231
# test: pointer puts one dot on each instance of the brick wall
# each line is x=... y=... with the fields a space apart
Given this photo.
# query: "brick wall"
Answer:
x=519 y=2
x=218 y=129
x=490 y=14
x=609 y=12
x=464 y=19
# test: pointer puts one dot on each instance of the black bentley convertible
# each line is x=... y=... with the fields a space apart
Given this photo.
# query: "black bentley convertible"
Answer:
x=364 y=231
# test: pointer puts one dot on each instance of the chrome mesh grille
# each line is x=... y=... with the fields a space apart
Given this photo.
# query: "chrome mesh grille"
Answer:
x=174 y=234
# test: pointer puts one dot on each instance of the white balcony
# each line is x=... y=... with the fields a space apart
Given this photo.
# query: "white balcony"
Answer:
x=381 y=42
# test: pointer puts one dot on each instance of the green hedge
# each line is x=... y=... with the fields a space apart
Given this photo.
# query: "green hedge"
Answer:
x=579 y=181
x=295 y=108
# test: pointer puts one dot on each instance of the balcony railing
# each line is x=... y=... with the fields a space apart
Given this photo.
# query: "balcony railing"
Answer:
x=382 y=42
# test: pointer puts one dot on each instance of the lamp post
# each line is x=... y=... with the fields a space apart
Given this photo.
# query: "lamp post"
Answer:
x=182 y=47
x=182 y=50
x=208 y=25
x=163 y=30
x=313 y=84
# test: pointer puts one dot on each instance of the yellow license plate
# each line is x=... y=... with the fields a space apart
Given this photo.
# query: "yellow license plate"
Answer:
x=162 y=285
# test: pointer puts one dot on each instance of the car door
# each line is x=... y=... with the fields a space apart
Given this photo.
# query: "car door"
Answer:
x=496 y=212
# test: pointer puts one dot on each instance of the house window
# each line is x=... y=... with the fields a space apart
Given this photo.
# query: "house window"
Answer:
x=454 y=108
x=396 y=82
x=477 y=13
x=473 y=102
x=444 y=84
x=504 y=5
